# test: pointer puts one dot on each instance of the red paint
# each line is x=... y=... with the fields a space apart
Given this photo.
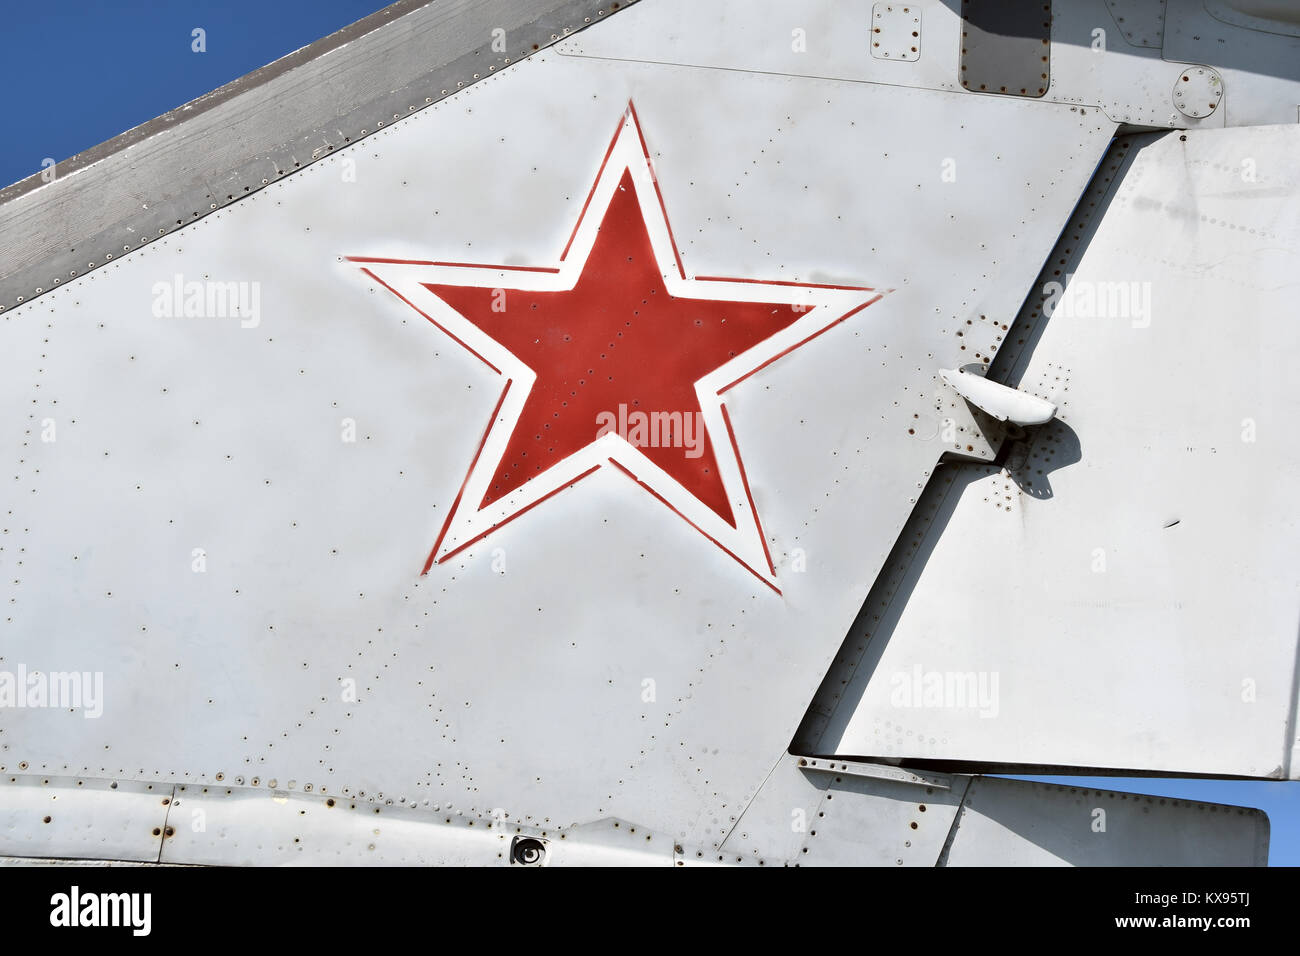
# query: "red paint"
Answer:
x=645 y=150
x=665 y=501
x=616 y=345
x=744 y=479
x=801 y=342
x=617 y=338
x=786 y=282
x=459 y=494
x=595 y=182
x=550 y=494
x=432 y=321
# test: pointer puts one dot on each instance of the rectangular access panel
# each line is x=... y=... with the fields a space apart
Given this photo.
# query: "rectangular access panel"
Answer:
x=1006 y=46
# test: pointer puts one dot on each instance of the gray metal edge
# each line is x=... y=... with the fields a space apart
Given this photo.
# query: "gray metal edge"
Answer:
x=256 y=130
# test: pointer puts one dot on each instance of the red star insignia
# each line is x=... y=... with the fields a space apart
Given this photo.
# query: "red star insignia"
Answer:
x=614 y=357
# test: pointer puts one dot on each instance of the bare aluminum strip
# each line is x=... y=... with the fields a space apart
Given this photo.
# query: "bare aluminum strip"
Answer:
x=213 y=151
x=878 y=771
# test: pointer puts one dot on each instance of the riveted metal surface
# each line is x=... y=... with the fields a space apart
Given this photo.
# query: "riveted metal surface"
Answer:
x=818 y=811
x=82 y=818
x=1090 y=65
x=1006 y=46
x=1198 y=91
x=831 y=812
x=1142 y=22
x=896 y=31
x=243 y=826
x=1017 y=823
x=318 y=583
x=1260 y=68
x=872 y=822
x=1128 y=499
x=855 y=664
x=814 y=812
x=235 y=489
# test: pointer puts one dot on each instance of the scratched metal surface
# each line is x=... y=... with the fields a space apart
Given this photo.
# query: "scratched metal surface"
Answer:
x=809 y=812
x=513 y=677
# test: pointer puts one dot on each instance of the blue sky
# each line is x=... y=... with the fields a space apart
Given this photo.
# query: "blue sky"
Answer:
x=77 y=73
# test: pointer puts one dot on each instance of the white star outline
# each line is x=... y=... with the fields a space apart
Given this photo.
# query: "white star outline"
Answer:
x=467 y=524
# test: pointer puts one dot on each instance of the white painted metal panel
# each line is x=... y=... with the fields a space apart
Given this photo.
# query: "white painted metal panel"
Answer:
x=824 y=812
x=813 y=812
x=1090 y=63
x=241 y=826
x=225 y=515
x=81 y=818
x=810 y=812
x=1260 y=63
x=478 y=689
x=1137 y=559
